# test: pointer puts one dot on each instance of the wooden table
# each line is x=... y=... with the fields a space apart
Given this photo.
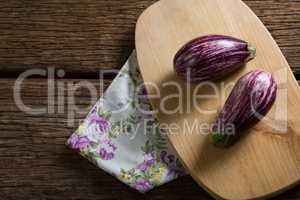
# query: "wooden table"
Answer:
x=82 y=37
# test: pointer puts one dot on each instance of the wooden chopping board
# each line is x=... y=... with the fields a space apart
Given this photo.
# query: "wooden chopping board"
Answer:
x=264 y=162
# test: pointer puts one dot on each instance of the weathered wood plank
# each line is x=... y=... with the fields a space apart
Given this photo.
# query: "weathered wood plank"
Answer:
x=282 y=18
x=76 y=35
x=82 y=37
x=35 y=164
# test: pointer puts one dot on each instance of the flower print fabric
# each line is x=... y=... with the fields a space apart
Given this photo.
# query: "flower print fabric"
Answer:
x=121 y=136
x=142 y=185
x=106 y=150
x=76 y=142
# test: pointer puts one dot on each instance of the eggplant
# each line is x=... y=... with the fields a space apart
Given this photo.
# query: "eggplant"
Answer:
x=250 y=100
x=211 y=57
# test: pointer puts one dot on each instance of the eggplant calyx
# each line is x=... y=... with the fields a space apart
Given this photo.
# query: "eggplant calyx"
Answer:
x=252 y=51
x=220 y=140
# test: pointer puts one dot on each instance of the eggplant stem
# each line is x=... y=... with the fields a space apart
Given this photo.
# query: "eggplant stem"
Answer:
x=219 y=139
x=252 y=51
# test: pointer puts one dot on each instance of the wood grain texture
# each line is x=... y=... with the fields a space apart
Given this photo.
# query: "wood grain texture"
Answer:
x=266 y=161
x=77 y=35
x=282 y=19
x=82 y=36
x=35 y=164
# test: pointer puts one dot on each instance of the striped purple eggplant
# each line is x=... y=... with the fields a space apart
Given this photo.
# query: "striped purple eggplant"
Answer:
x=211 y=57
x=250 y=100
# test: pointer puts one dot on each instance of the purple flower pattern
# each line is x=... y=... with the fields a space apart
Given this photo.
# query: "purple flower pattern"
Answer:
x=107 y=150
x=95 y=141
x=175 y=169
x=101 y=123
x=149 y=160
x=78 y=143
x=142 y=185
x=156 y=166
x=94 y=133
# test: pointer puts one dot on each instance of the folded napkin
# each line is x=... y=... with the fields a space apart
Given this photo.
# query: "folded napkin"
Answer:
x=121 y=136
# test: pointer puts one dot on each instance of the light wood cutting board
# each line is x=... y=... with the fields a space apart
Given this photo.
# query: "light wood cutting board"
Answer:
x=267 y=160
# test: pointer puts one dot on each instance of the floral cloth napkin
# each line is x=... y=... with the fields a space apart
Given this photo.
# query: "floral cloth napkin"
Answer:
x=123 y=140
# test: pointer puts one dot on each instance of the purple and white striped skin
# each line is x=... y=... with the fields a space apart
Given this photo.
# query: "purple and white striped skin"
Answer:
x=211 y=57
x=250 y=100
